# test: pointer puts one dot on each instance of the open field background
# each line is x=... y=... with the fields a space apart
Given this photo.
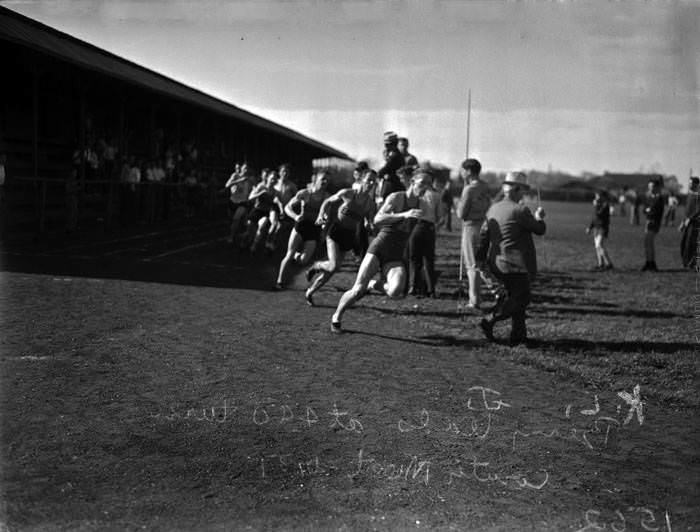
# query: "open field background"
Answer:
x=152 y=381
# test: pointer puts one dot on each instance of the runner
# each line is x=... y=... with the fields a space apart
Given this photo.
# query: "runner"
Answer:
x=264 y=198
x=286 y=190
x=303 y=208
x=356 y=206
x=239 y=185
x=385 y=255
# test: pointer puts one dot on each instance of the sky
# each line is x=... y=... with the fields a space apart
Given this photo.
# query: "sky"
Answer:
x=572 y=86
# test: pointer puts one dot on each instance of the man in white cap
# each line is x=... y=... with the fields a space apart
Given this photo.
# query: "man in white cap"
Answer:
x=506 y=242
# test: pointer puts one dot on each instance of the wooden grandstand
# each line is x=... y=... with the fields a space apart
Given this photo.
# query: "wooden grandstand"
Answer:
x=61 y=96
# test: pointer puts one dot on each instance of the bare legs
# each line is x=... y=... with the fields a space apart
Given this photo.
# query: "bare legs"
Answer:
x=327 y=267
x=273 y=230
x=393 y=286
x=601 y=253
x=301 y=257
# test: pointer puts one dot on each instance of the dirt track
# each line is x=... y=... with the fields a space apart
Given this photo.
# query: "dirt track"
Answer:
x=176 y=393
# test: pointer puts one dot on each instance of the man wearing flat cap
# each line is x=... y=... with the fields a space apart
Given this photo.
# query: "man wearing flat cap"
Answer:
x=389 y=181
x=506 y=243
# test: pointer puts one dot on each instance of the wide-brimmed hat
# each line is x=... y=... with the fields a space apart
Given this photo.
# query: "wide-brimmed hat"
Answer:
x=516 y=178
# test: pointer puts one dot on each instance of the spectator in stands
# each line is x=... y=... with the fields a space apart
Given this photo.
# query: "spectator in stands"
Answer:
x=191 y=183
x=286 y=190
x=303 y=208
x=408 y=158
x=239 y=186
x=654 y=211
x=170 y=167
x=3 y=196
x=109 y=156
x=600 y=226
x=72 y=190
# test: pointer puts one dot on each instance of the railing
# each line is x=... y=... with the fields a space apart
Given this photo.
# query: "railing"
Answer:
x=45 y=205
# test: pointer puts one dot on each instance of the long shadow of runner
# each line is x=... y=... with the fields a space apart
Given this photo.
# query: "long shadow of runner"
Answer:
x=416 y=312
x=429 y=340
x=632 y=313
x=576 y=344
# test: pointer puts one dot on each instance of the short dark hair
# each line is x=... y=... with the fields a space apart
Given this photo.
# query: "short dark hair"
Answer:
x=405 y=170
x=472 y=166
x=362 y=166
x=695 y=180
x=285 y=166
x=403 y=139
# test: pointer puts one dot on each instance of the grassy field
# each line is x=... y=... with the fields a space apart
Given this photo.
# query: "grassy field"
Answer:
x=153 y=381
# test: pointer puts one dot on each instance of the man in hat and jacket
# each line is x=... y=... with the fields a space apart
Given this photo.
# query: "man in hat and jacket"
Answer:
x=506 y=243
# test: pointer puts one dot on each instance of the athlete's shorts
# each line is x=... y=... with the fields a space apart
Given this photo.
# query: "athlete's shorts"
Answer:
x=345 y=238
x=256 y=215
x=308 y=230
x=389 y=247
x=600 y=231
x=233 y=207
x=652 y=227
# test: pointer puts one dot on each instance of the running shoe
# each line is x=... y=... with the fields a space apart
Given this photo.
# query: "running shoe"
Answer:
x=336 y=328
x=310 y=274
x=278 y=287
x=309 y=298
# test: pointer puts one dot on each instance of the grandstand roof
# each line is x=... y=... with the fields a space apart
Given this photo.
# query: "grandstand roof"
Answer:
x=32 y=34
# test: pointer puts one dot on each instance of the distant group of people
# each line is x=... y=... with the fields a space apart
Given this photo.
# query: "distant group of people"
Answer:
x=653 y=204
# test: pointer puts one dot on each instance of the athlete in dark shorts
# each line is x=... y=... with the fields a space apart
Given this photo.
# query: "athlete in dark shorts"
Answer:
x=239 y=186
x=356 y=206
x=303 y=208
x=264 y=198
x=385 y=255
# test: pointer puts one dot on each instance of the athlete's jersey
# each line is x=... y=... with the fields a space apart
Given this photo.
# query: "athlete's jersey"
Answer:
x=351 y=213
x=312 y=202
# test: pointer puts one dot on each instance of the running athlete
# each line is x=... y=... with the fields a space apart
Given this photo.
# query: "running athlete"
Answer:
x=239 y=185
x=303 y=208
x=264 y=198
x=356 y=206
x=385 y=255
x=285 y=190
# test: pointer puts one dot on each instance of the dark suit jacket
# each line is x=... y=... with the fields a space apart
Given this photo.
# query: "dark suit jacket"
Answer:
x=506 y=238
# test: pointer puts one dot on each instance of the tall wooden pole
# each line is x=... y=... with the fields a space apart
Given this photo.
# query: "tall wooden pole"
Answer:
x=469 y=116
x=461 y=254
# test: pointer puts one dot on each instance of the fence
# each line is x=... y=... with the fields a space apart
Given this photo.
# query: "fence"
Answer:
x=33 y=206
